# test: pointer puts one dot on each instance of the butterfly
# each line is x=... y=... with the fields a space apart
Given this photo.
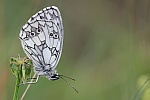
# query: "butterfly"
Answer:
x=42 y=41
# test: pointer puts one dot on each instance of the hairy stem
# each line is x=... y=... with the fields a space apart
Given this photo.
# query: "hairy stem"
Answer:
x=16 y=91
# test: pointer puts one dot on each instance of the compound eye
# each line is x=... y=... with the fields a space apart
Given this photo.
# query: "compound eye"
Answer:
x=54 y=77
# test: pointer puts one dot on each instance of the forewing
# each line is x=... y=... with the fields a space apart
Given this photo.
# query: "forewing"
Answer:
x=42 y=37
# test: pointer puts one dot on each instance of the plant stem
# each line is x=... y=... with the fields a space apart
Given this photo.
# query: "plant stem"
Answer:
x=27 y=88
x=16 y=88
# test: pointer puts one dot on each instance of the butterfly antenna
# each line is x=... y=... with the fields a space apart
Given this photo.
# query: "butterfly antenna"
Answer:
x=68 y=82
x=67 y=77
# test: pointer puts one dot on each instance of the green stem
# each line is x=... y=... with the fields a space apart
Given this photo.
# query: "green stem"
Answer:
x=16 y=91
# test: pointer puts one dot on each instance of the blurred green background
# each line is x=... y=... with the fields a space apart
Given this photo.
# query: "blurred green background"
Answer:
x=106 y=49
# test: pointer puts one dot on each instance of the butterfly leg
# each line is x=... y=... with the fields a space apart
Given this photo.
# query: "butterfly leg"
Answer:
x=32 y=78
x=37 y=78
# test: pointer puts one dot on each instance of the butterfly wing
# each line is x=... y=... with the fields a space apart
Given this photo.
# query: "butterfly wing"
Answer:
x=42 y=38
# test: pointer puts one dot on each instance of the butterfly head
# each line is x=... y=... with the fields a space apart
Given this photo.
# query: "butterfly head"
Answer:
x=52 y=75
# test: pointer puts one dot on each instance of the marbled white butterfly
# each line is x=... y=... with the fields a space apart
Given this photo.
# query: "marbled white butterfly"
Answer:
x=42 y=41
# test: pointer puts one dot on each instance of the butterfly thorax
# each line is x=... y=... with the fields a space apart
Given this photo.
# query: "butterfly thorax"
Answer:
x=49 y=73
